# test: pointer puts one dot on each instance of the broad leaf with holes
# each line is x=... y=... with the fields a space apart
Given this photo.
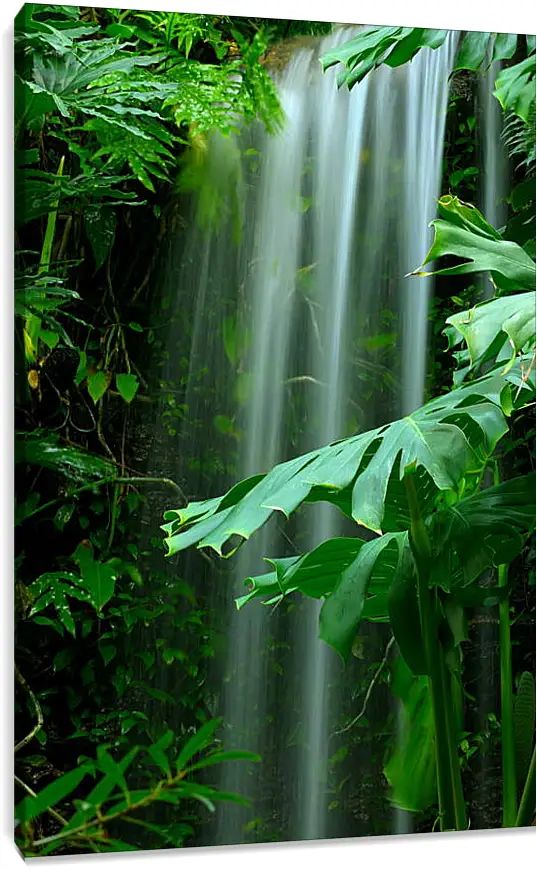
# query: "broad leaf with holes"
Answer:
x=444 y=440
x=486 y=530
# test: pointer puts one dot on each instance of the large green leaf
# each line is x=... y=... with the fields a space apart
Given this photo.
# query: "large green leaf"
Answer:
x=464 y=233
x=488 y=327
x=342 y=610
x=52 y=794
x=353 y=576
x=445 y=440
x=473 y=50
x=515 y=89
x=395 y=46
x=482 y=531
x=47 y=451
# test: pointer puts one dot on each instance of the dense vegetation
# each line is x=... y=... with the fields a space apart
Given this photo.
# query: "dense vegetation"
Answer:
x=112 y=109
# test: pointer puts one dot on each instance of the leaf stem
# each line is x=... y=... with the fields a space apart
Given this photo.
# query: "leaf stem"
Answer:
x=104 y=480
x=38 y=712
x=526 y=810
x=452 y=816
x=509 y=783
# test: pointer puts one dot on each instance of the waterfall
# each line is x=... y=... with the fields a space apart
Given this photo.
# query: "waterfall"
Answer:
x=304 y=331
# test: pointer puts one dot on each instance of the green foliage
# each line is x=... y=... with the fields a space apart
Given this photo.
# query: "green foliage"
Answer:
x=411 y=768
x=417 y=483
x=111 y=799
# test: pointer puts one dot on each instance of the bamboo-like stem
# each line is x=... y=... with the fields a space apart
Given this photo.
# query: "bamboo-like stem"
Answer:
x=526 y=810
x=509 y=782
x=421 y=548
x=32 y=326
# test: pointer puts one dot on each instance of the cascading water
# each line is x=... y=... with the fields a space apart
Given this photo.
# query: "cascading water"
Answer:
x=307 y=332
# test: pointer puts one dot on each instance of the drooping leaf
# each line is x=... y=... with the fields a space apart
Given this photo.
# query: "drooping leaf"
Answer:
x=98 y=578
x=446 y=439
x=472 y=51
x=353 y=576
x=510 y=266
x=484 y=530
x=403 y=609
x=127 y=386
x=342 y=610
x=486 y=328
x=515 y=88
x=46 y=450
x=504 y=46
x=31 y=807
x=98 y=383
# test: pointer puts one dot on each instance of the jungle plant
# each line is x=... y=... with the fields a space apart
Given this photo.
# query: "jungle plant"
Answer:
x=92 y=820
x=418 y=485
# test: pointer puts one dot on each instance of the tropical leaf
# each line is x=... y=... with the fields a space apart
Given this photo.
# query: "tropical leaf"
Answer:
x=127 y=386
x=47 y=451
x=464 y=233
x=488 y=327
x=98 y=578
x=484 y=530
x=55 y=588
x=353 y=576
x=31 y=807
x=515 y=88
x=395 y=46
x=444 y=440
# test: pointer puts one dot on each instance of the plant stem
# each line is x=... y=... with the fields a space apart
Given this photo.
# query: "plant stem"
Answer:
x=447 y=766
x=526 y=810
x=38 y=712
x=509 y=782
x=104 y=480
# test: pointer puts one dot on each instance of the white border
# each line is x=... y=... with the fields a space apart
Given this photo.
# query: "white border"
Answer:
x=495 y=849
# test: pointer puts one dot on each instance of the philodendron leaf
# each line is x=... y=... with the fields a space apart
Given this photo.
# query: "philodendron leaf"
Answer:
x=511 y=268
x=472 y=51
x=487 y=327
x=444 y=440
x=127 y=386
x=353 y=576
x=515 y=88
x=482 y=531
x=342 y=610
x=403 y=609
